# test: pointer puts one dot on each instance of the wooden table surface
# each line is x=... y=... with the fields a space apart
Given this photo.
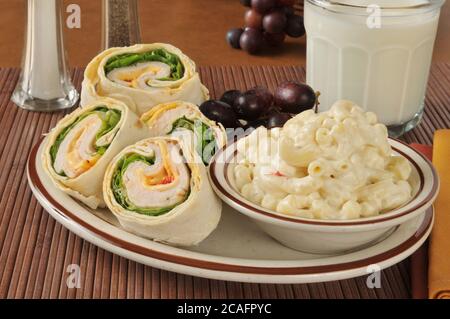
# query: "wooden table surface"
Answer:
x=197 y=27
x=35 y=250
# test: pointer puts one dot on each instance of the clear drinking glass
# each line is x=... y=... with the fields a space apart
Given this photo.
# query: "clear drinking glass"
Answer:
x=375 y=53
x=44 y=84
x=120 y=23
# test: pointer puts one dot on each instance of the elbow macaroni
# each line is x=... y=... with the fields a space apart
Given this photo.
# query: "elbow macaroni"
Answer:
x=332 y=165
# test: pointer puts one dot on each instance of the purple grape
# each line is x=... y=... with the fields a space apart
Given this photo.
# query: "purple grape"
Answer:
x=294 y=26
x=264 y=95
x=230 y=96
x=249 y=105
x=253 y=19
x=288 y=11
x=275 y=21
x=252 y=40
x=294 y=98
x=278 y=120
x=234 y=36
x=262 y=6
x=220 y=112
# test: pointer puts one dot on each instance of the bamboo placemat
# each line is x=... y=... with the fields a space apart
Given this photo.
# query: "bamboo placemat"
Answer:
x=35 y=250
x=298 y=6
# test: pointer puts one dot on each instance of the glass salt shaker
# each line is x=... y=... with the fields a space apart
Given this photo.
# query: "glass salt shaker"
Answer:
x=44 y=84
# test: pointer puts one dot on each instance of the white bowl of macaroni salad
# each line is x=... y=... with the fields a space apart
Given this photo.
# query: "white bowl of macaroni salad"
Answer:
x=326 y=182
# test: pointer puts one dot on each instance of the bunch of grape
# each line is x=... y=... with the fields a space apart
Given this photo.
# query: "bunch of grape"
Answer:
x=267 y=22
x=259 y=107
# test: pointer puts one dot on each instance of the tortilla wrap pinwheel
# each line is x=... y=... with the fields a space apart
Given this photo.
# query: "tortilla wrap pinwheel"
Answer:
x=142 y=76
x=158 y=188
x=80 y=147
x=174 y=118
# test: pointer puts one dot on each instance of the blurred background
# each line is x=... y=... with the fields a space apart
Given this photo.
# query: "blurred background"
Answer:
x=198 y=27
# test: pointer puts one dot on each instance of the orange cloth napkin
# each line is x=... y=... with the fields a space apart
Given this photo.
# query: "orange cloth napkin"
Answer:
x=419 y=260
x=439 y=249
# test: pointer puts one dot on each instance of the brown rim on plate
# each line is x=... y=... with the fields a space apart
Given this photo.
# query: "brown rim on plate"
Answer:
x=210 y=265
x=363 y=221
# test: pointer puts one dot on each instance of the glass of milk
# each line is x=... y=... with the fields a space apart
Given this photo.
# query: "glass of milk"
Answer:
x=376 y=53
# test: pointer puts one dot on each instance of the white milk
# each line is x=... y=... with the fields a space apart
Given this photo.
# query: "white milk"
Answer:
x=384 y=70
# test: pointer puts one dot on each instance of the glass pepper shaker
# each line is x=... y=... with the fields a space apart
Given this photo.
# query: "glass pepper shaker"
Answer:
x=120 y=23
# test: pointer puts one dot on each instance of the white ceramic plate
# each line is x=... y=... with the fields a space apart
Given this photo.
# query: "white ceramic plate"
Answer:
x=237 y=250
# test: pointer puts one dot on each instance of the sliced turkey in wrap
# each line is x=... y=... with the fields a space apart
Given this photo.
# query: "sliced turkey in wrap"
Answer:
x=80 y=147
x=158 y=189
x=143 y=76
x=176 y=117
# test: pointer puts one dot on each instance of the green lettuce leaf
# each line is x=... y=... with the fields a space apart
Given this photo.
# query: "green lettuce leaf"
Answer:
x=112 y=117
x=158 y=55
x=206 y=142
